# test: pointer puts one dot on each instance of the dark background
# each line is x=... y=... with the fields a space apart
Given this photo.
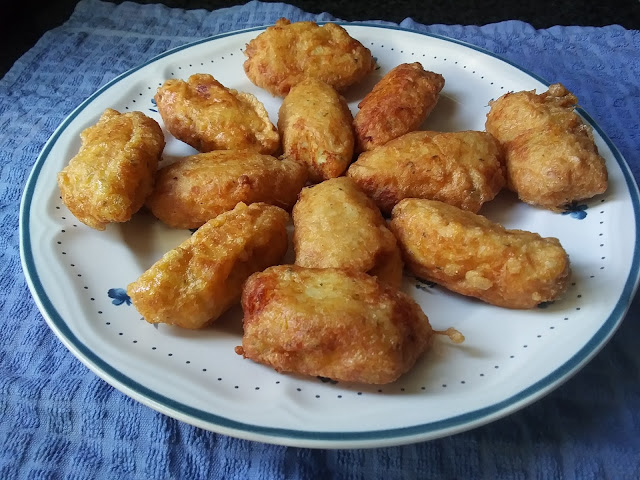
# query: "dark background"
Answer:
x=23 y=22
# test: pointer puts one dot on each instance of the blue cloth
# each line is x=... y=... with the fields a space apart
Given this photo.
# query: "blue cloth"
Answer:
x=59 y=420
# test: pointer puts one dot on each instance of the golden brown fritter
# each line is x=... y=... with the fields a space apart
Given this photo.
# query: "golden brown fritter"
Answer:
x=195 y=189
x=195 y=283
x=461 y=168
x=333 y=323
x=209 y=116
x=398 y=104
x=316 y=128
x=286 y=53
x=513 y=113
x=112 y=174
x=550 y=154
x=471 y=255
x=337 y=225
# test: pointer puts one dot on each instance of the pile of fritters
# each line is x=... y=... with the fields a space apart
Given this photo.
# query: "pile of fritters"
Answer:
x=338 y=311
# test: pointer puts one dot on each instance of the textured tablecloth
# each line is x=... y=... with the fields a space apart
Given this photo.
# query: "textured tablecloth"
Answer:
x=58 y=420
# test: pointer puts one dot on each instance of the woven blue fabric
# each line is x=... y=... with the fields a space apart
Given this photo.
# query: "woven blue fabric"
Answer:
x=58 y=420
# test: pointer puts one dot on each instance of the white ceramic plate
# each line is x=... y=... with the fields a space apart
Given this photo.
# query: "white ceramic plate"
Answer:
x=510 y=358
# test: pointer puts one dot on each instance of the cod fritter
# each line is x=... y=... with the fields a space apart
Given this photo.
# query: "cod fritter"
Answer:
x=195 y=189
x=464 y=169
x=316 y=128
x=398 y=104
x=333 y=323
x=550 y=154
x=286 y=53
x=112 y=174
x=209 y=116
x=471 y=255
x=337 y=225
x=195 y=283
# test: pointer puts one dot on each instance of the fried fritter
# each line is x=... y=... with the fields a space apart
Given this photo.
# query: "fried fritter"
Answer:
x=209 y=116
x=195 y=283
x=398 y=104
x=550 y=154
x=337 y=225
x=112 y=174
x=195 y=189
x=471 y=255
x=461 y=168
x=316 y=128
x=286 y=53
x=333 y=323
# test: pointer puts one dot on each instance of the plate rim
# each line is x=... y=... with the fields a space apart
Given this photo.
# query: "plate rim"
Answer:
x=306 y=438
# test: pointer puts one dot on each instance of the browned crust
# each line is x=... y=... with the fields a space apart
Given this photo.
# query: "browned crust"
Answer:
x=286 y=53
x=550 y=155
x=398 y=104
x=209 y=116
x=193 y=284
x=316 y=127
x=113 y=173
x=337 y=226
x=464 y=169
x=197 y=188
x=339 y=324
x=471 y=255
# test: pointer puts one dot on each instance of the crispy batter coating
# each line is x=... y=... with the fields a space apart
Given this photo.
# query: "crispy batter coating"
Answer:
x=209 y=116
x=195 y=283
x=473 y=256
x=286 y=53
x=334 y=323
x=337 y=226
x=112 y=174
x=316 y=127
x=550 y=153
x=460 y=168
x=398 y=104
x=195 y=189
